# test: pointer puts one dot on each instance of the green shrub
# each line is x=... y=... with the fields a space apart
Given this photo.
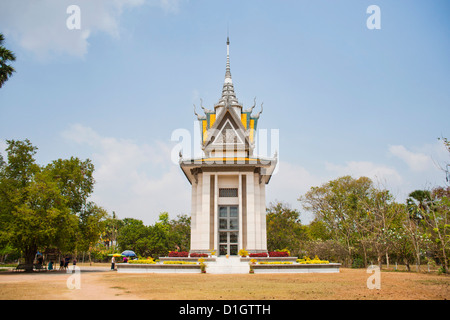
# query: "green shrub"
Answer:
x=357 y=263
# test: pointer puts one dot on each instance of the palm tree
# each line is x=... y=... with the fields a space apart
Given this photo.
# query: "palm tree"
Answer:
x=5 y=55
x=418 y=204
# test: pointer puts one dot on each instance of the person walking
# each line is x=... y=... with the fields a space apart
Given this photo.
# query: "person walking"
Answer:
x=113 y=262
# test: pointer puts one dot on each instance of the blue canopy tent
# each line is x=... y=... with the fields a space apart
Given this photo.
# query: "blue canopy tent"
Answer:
x=129 y=253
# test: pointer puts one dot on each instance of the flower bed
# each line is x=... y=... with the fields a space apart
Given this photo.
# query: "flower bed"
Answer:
x=179 y=262
x=148 y=261
x=258 y=255
x=316 y=260
x=275 y=262
x=198 y=255
x=278 y=254
x=272 y=254
x=243 y=253
x=178 y=254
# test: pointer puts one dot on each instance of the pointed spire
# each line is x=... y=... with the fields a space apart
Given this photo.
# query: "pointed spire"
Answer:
x=228 y=94
x=228 y=71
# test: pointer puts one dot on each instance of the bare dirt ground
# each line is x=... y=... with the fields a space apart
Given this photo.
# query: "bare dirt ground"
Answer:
x=348 y=284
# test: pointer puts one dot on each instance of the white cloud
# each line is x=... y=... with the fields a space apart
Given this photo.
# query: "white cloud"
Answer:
x=169 y=6
x=132 y=179
x=416 y=161
x=381 y=174
x=289 y=183
x=3 y=147
x=293 y=180
x=39 y=26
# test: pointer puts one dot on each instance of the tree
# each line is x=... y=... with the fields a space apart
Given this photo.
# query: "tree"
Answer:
x=417 y=206
x=111 y=231
x=410 y=240
x=16 y=175
x=431 y=213
x=75 y=180
x=438 y=221
x=317 y=230
x=41 y=220
x=45 y=206
x=382 y=213
x=155 y=240
x=91 y=226
x=447 y=166
x=284 y=229
x=180 y=233
x=159 y=238
x=337 y=204
x=6 y=70
x=132 y=231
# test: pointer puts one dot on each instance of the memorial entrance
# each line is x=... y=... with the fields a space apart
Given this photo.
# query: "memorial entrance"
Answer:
x=228 y=230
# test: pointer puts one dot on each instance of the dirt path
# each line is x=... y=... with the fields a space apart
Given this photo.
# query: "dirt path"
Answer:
x=54 y=286
x=350 y=284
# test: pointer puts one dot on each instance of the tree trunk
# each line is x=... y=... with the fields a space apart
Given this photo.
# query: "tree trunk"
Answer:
x=407 y=265
x=380 y=260
x=445 y=264
x=30 y=253
x=365 y=256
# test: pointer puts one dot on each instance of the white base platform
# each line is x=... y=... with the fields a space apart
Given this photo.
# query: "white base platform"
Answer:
x=230 y=265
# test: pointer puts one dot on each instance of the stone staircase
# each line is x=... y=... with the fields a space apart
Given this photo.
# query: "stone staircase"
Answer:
x=230 y=265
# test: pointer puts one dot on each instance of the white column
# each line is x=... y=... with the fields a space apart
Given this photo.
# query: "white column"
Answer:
x=197 y=213
x=216 y=210
x=258 y=237
x=204 y=223
x=240 y=210
x=262 y=212
x=252 y=228
x=193 y=213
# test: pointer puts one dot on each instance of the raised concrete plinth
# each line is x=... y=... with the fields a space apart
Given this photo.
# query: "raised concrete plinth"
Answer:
x=188 y=259
x=157 y=268
x=231 y=265
x=296 y=268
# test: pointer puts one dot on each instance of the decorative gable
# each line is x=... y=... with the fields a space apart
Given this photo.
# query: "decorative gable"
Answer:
x=227 y=135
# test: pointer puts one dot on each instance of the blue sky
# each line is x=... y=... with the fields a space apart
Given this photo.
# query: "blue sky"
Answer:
x=345 y=99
